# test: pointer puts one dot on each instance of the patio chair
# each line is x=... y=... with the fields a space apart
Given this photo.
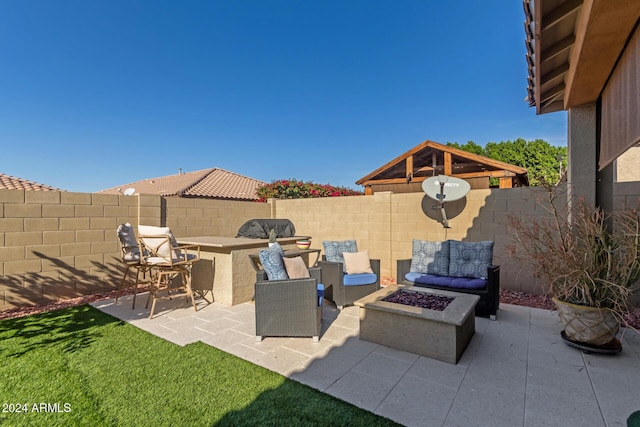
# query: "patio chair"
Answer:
x=130 y=256
x=288 y=297
x=347 y=282
x=170 y=262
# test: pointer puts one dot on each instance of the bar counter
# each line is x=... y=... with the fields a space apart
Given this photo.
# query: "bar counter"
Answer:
x=225 y=266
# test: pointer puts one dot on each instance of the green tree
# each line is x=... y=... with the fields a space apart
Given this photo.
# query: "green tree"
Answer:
x=542 y=160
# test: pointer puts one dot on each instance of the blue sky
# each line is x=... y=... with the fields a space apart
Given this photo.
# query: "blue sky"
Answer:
x=94 y=94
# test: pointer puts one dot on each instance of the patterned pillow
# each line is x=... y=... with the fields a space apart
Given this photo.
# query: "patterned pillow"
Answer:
x=470 y=259
x=430 y=257
x=333 y=250
x=271 y=260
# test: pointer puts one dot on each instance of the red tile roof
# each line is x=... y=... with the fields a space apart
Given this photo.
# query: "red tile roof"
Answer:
x=8 y=182
x=212 y=183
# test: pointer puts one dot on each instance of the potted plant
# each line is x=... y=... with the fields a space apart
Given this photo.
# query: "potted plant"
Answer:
x=587 y=261
x=272 y=237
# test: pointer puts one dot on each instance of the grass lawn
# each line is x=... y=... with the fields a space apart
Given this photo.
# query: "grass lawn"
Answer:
x=82 y=367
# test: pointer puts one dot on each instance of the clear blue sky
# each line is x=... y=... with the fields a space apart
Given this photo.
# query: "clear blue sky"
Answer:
x=94 y=94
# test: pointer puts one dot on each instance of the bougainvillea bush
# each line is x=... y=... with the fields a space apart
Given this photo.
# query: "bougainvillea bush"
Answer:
x=294 y=189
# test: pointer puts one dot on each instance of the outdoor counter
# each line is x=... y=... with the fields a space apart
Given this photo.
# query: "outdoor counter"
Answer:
x=225 y=266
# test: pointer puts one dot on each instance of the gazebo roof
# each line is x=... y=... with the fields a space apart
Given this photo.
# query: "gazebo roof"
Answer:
x=431 y=158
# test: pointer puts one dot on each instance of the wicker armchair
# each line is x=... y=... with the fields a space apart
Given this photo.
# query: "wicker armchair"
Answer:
x=288 y=308
x=335 y=289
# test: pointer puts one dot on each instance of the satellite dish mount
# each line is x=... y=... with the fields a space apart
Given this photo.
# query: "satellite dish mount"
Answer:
x=443 y=188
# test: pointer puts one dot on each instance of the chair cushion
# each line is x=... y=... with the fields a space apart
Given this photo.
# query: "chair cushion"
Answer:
x=359 y=279
x=430 y=257
x=130 y=249
x=271 y=260
x=161 y=239
x=357 y=263
x=447 y=281
x=320 y=288
x=296 y=268
x=333 y=250
x=470 y=259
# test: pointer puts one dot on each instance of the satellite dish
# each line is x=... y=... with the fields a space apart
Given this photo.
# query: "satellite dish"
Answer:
x=445 y=188
x=129 y=191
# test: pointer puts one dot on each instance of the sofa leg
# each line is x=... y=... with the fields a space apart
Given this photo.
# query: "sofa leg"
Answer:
x=492 y=317
x=340 y=307
x=258 y=338
x=316 y=338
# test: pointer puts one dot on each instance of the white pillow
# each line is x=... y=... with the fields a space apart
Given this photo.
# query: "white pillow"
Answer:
x=357 y=263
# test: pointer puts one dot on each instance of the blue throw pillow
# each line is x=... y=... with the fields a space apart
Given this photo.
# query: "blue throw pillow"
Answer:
x=470 y=259
x=271 y=260
x=333 y=250
x=430 y=257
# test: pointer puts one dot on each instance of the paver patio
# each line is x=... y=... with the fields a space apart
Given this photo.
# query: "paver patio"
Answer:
x=516 y=371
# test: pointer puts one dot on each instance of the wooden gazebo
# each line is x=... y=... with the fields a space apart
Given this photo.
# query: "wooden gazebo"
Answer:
x=405 y=173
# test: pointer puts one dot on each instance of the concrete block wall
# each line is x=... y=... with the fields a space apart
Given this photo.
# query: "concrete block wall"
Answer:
x=204 y=217
x=57 y=245
x=386 y=224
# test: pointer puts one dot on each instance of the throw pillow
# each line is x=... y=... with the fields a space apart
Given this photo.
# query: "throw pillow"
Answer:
x=296 y=268
x=357 y=263
x=271 y=260
x=470 y=259
x=430 y=257
x=333 y=250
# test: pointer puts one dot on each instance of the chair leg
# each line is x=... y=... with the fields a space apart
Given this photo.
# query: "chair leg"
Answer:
x=122 y=283
x=186 y=279
x=153 y=292
x=135 y=289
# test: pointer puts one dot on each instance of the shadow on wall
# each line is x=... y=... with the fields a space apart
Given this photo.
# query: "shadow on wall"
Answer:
x=431 y=208
x=72 y=282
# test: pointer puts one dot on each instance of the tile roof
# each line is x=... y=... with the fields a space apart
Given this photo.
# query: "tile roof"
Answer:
x=213 y=183
x=8 y=182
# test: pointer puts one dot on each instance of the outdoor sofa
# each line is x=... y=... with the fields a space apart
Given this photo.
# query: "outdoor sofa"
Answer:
x=456 y=266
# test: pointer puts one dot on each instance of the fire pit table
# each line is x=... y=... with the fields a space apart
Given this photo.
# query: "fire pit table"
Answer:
x=441 y=335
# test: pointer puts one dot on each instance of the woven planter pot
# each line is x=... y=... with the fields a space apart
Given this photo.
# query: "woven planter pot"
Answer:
x=590 y=325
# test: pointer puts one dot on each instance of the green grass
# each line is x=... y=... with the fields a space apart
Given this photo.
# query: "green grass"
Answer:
x=100 y=371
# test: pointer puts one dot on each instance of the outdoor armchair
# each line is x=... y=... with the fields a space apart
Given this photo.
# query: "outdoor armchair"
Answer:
x=130 y=255
x=287 y=307
x=346 y=280
x=170 y=262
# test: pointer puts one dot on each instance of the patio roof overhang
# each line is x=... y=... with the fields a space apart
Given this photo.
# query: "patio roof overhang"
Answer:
x=572 y=47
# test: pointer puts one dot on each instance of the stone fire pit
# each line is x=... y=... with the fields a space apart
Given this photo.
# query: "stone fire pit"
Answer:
x=441 y=335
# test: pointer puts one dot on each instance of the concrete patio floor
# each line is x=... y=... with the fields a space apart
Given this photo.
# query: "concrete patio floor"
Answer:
x=516 y=371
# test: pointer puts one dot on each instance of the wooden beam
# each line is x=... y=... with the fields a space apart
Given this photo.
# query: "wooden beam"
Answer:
x=559 y=13
x=490 y=174
x=447 y=163
x=506 y=182
x=558 y=48
x=409 y=168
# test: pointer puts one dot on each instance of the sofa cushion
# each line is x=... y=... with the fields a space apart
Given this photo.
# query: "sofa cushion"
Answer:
x=470 y=259
x=320 y=288
x=357 y=263
x=334 y=249
x=271 y=260
x=447 y=281
x=359 y=279
x=430 y=257
x=296 y=268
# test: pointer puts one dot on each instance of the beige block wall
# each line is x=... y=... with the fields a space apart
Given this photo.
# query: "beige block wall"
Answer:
x=386 y=223
x=56 y=245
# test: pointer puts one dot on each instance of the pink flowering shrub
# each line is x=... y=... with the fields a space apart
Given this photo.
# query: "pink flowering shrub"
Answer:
x=294 y=189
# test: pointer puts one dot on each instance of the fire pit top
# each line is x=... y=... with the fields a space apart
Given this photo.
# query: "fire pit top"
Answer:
x=455 y=313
